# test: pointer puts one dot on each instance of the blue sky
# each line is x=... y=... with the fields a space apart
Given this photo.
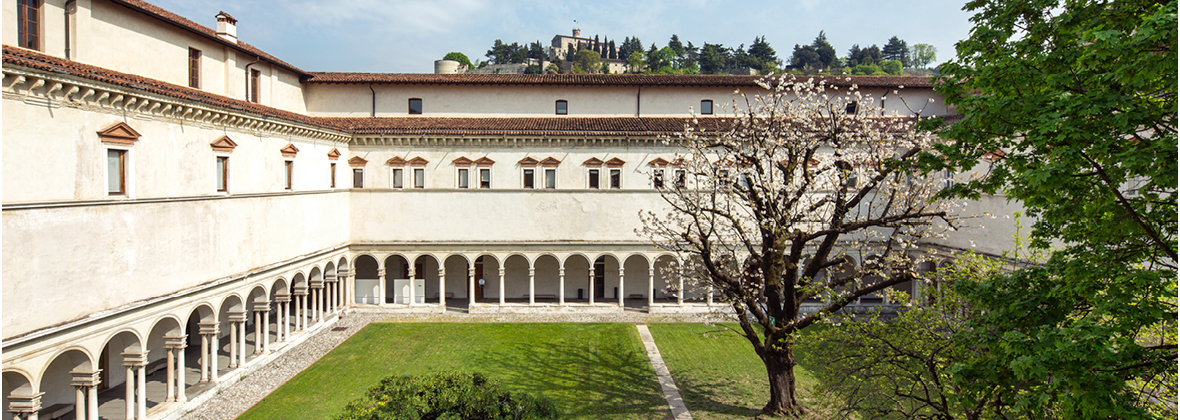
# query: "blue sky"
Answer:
x=406 y=36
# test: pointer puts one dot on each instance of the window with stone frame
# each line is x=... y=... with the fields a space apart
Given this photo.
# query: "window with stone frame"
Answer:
x=28 y=24
x=194 y=68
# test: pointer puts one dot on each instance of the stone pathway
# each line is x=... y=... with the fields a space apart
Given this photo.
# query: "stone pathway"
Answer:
x=671 y=393
x=233 y=400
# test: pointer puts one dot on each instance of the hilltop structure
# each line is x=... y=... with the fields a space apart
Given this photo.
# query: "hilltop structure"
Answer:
x=180 y=205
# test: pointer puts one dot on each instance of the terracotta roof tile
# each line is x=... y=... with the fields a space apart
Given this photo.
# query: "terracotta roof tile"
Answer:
x=603 y=79
x=524 y=126
x=35 y=60
x=175 y=19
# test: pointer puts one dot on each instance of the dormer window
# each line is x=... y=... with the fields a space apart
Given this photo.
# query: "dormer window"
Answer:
x=707 y=107
x=415 y=106
x=28 y=24
x=562 y=107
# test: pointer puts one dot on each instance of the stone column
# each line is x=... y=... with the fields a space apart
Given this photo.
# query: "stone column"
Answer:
x=242 y=341
x=680 y=292
x=532 y=286
x=204 y=356
x=236 y=345
x=170 y=378
x=590 y=287
x=381 y=286
x=470 y=287
x=257 y=330
x=133 y=362
x=300 y=307
x=282 y=319
x=709 y=298
x=25 y=406
x=330 y=279
x=176 y=345
x=412 y=274
x=442 y=288
x=622 y=291
x=262 y=310
x=500 y=281
x=414 y=287
x=651 y=285
x=86 y=393
x=209 y=331
x=141 y=388
x=561 y=286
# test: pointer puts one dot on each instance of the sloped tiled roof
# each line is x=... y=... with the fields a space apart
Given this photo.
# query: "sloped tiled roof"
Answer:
x=544 y=126
x=177 y=20
x=604 y=79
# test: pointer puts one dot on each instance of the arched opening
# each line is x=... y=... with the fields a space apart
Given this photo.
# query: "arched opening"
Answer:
x=546 y=278
x=425 y=272
x=257 y=304
x=70 y=383
x=454 y=266
x=339 y=288
x=636 y=276
x=577 y=273
x=487 y=268
x=163 y=346
x=396 y=268
x=516 y=279
x=665 y=279
x=124 y=375
x=366 y=283
x=606 y=279
x=19 y=396
x=230 y=318
x=200 y=328
x=279 y=316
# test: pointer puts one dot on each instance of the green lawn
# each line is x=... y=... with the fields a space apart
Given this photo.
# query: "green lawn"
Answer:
x=591 y=371
x=718 y=374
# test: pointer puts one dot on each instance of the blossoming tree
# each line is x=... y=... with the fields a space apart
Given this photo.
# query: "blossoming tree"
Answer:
x=767 y=207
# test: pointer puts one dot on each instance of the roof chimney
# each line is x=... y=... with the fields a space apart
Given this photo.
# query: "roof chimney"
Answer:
x=577 y=32
x=227 y=27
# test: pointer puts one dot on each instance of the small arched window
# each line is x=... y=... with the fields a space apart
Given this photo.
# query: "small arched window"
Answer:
x=562 y=107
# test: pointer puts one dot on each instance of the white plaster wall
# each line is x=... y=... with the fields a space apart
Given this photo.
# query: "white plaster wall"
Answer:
x=65 y=263
x=988 y=226
x=441 y=173
x=500 y=216
x=55 y=155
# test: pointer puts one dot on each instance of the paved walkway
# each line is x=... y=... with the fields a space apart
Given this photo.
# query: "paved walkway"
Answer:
x=671 y=393
x=235 y=399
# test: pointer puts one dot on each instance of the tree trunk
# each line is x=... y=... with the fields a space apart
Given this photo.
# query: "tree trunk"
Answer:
x=780 y=369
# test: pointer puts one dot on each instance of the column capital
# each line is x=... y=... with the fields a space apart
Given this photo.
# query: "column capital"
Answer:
x=317 y=284
x=24 y=404
x=135 y=358
x=176 y=341
x=208 y=327
x=262 y=306
x=301 y=290
x=86 y=378
x=381 y=272
x=532 y=272
x=561 y=271
x=282 y=298
x=330 y=278
x=236 y=316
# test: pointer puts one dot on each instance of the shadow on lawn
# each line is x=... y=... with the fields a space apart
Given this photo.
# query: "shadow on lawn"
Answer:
x=716 y=396
x=609 y=379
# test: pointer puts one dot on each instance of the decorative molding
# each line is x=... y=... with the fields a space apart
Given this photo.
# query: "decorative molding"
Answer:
x=289 y=150
x=223 y=144
x=528 y=161
x=593 y=162
x=357 y=161
x=615 y=163
x=658 y=163
x=462 y=161
x=119 y=133
x=396 y=161
x=550 y=162
x=418 y=161
x=333 y=154
x=484 y=162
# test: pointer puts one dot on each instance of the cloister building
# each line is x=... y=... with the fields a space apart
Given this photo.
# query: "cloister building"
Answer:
x=180 y=206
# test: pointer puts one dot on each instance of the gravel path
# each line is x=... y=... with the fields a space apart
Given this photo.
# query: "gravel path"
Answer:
x=238 y=397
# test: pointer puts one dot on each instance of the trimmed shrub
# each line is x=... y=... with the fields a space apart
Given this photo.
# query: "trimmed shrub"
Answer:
x=445 y=396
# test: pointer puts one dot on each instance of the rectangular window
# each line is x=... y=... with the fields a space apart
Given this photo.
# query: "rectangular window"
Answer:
x=679 y=178
x=551 y=178
x=222 y=173
x=419 y=178
x=28 y=24
x=594 y=179
x=657 y=178
x=288 y=174
x=194 y=68
x=464 y=174
x=116 y=172
x=415 y=106
x=562 y=107
x=332 y=173
x=485 y=178
x=528 y=178
x=707 y=107
x=397 y=178
x=358 y=178
x=254 y=76
x=616 y=180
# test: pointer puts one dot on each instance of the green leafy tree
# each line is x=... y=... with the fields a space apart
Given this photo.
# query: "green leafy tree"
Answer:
x=893 y=67
x=1076 y=104
x=805 y=58
x=824 y=50
x=612 y=53
x=588 y=61
x=636 y=62
x=654 y=59
x=460 y=57
x=858 y=55
x=713 y=58
x=896 y=49
x=552 y=69
x=445 y=396
x=537 y=51
x=630 y=45
x=763 y=55
x=676 y=46
x=691 y=58
x=923 y=55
